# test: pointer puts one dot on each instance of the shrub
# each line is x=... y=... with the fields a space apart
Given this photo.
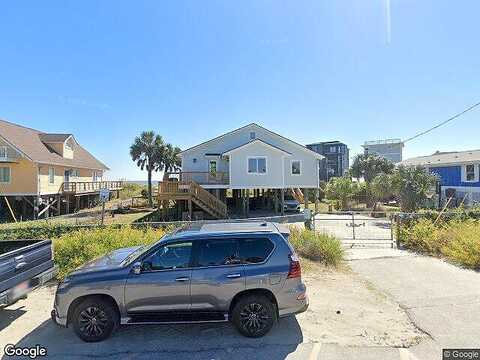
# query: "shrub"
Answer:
x=457 y=240
x=315 y=246
x=78 y=247
x=462 y=243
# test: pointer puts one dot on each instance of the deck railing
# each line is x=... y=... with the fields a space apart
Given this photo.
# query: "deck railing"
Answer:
x=202 y=177
x=77 y=187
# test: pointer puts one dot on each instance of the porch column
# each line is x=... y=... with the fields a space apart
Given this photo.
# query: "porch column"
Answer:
x=282 y=201
x=275 y=200
x=305 y=197
x=247 y=202
x=317 y=203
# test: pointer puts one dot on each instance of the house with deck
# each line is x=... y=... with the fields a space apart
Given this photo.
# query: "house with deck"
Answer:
x=458 y=172
x=44 y=174
x=250 y=168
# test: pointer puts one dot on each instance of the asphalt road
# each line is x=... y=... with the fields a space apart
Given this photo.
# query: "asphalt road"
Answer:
x=442 y=300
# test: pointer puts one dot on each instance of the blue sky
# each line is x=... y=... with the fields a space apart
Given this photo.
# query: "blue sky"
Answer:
x=190 y=70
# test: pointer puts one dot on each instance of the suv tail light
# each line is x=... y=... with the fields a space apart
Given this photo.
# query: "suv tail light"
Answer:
x=295 y=270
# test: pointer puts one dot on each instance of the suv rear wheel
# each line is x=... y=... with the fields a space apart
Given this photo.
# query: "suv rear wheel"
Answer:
x=94 y=320
x=254 y=315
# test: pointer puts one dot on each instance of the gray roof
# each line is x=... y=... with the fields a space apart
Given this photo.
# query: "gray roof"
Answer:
x=444 y=158
x=53 y=138
x=32 y=144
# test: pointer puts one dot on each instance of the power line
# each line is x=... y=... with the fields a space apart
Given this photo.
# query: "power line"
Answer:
x=443 y=122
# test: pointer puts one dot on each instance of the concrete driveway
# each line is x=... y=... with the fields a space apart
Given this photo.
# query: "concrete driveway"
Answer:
x=441 y=299
x=347 y=319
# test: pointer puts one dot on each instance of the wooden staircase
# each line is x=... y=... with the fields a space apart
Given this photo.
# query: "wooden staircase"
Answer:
x=191 y=191
x=297 y=195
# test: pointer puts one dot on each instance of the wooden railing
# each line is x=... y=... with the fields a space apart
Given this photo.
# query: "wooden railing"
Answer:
x=78 y=187
x=208 y=199
x=201 y=177
x=191 y=188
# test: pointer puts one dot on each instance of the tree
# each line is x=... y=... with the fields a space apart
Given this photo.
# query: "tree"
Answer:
x=413 y=186
x=368 y=166
x=152 y=154
x=381 y=188
x=341 y=189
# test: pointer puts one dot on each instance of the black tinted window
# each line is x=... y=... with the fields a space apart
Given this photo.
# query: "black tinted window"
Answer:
x=255 y=250
x=170 y=256
x=218 y=252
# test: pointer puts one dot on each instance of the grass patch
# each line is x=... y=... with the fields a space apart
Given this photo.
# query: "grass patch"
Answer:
x=316 y=246
x=78 y=247
x=456 y=240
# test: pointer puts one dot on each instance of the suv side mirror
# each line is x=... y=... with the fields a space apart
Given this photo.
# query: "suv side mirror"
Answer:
x=137 y=268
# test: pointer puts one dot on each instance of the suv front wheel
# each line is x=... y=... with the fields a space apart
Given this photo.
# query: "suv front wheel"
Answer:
x=94 y=320
x=254 y=315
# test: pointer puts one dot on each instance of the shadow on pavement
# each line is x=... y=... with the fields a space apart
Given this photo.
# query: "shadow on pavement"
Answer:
x=9 y=315
x=192 y=341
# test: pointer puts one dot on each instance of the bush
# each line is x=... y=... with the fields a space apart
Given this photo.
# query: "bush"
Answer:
x=78 y=247
x=38 y=231
x=457 y=240
x=315 y=246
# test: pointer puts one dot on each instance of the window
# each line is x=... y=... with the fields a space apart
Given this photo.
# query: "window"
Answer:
x=296 y=167
x=252 y=135
x=212 y=167
x=51 y=175
x=333 y=149
x=169 y=257
x=253 y=251
x=3 y=152
x=257 y=165
x=470 y=173
x=75 y=173
x=4 y=174
x=218 y=252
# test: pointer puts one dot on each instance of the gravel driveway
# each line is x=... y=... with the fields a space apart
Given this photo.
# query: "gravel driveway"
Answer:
x=346 y=316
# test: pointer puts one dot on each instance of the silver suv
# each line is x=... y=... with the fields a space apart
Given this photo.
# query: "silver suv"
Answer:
x=246 y=273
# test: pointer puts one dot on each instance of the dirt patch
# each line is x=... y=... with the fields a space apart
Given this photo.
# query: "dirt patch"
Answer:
x=347 y=310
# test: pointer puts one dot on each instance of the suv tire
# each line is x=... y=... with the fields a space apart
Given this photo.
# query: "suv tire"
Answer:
x=94 y=320
x=254 y=315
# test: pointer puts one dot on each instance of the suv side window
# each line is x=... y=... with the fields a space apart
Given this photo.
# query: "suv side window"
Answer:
x=218 y=252
x=169 y=257
x=254 y=251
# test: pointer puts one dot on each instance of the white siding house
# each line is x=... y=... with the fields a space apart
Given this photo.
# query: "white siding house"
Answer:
x=251 y=157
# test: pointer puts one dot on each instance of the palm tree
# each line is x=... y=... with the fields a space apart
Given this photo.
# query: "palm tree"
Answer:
x=170 y=160
x=368 y=166
x=146 y=151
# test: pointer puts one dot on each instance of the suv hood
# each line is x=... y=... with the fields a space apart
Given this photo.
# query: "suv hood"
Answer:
x=109 y=261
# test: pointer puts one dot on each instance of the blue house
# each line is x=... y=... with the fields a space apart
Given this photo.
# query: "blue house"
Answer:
x=458 y=172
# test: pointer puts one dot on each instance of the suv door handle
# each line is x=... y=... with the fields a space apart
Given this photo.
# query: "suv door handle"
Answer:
x=184 y=278
x=230 y=276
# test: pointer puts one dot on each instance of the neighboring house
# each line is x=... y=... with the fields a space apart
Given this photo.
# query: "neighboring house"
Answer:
x=336 y=161
x=43 y=174
x=250 y=167
x=390 y=149
x=458 y=172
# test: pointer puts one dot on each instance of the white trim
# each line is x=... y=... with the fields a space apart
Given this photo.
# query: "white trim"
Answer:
x=464 y=173
x=229 y=152
x=15 y=148
x=5 y=149
x=9 y=175
x=258 y=157
x=71 y=166
x=291 y=168
x=311 y=152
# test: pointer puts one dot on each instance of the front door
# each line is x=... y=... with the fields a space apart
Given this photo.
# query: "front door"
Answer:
x=66 y=177
x=218 y=275
x=212 y=171
x=163 y=285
